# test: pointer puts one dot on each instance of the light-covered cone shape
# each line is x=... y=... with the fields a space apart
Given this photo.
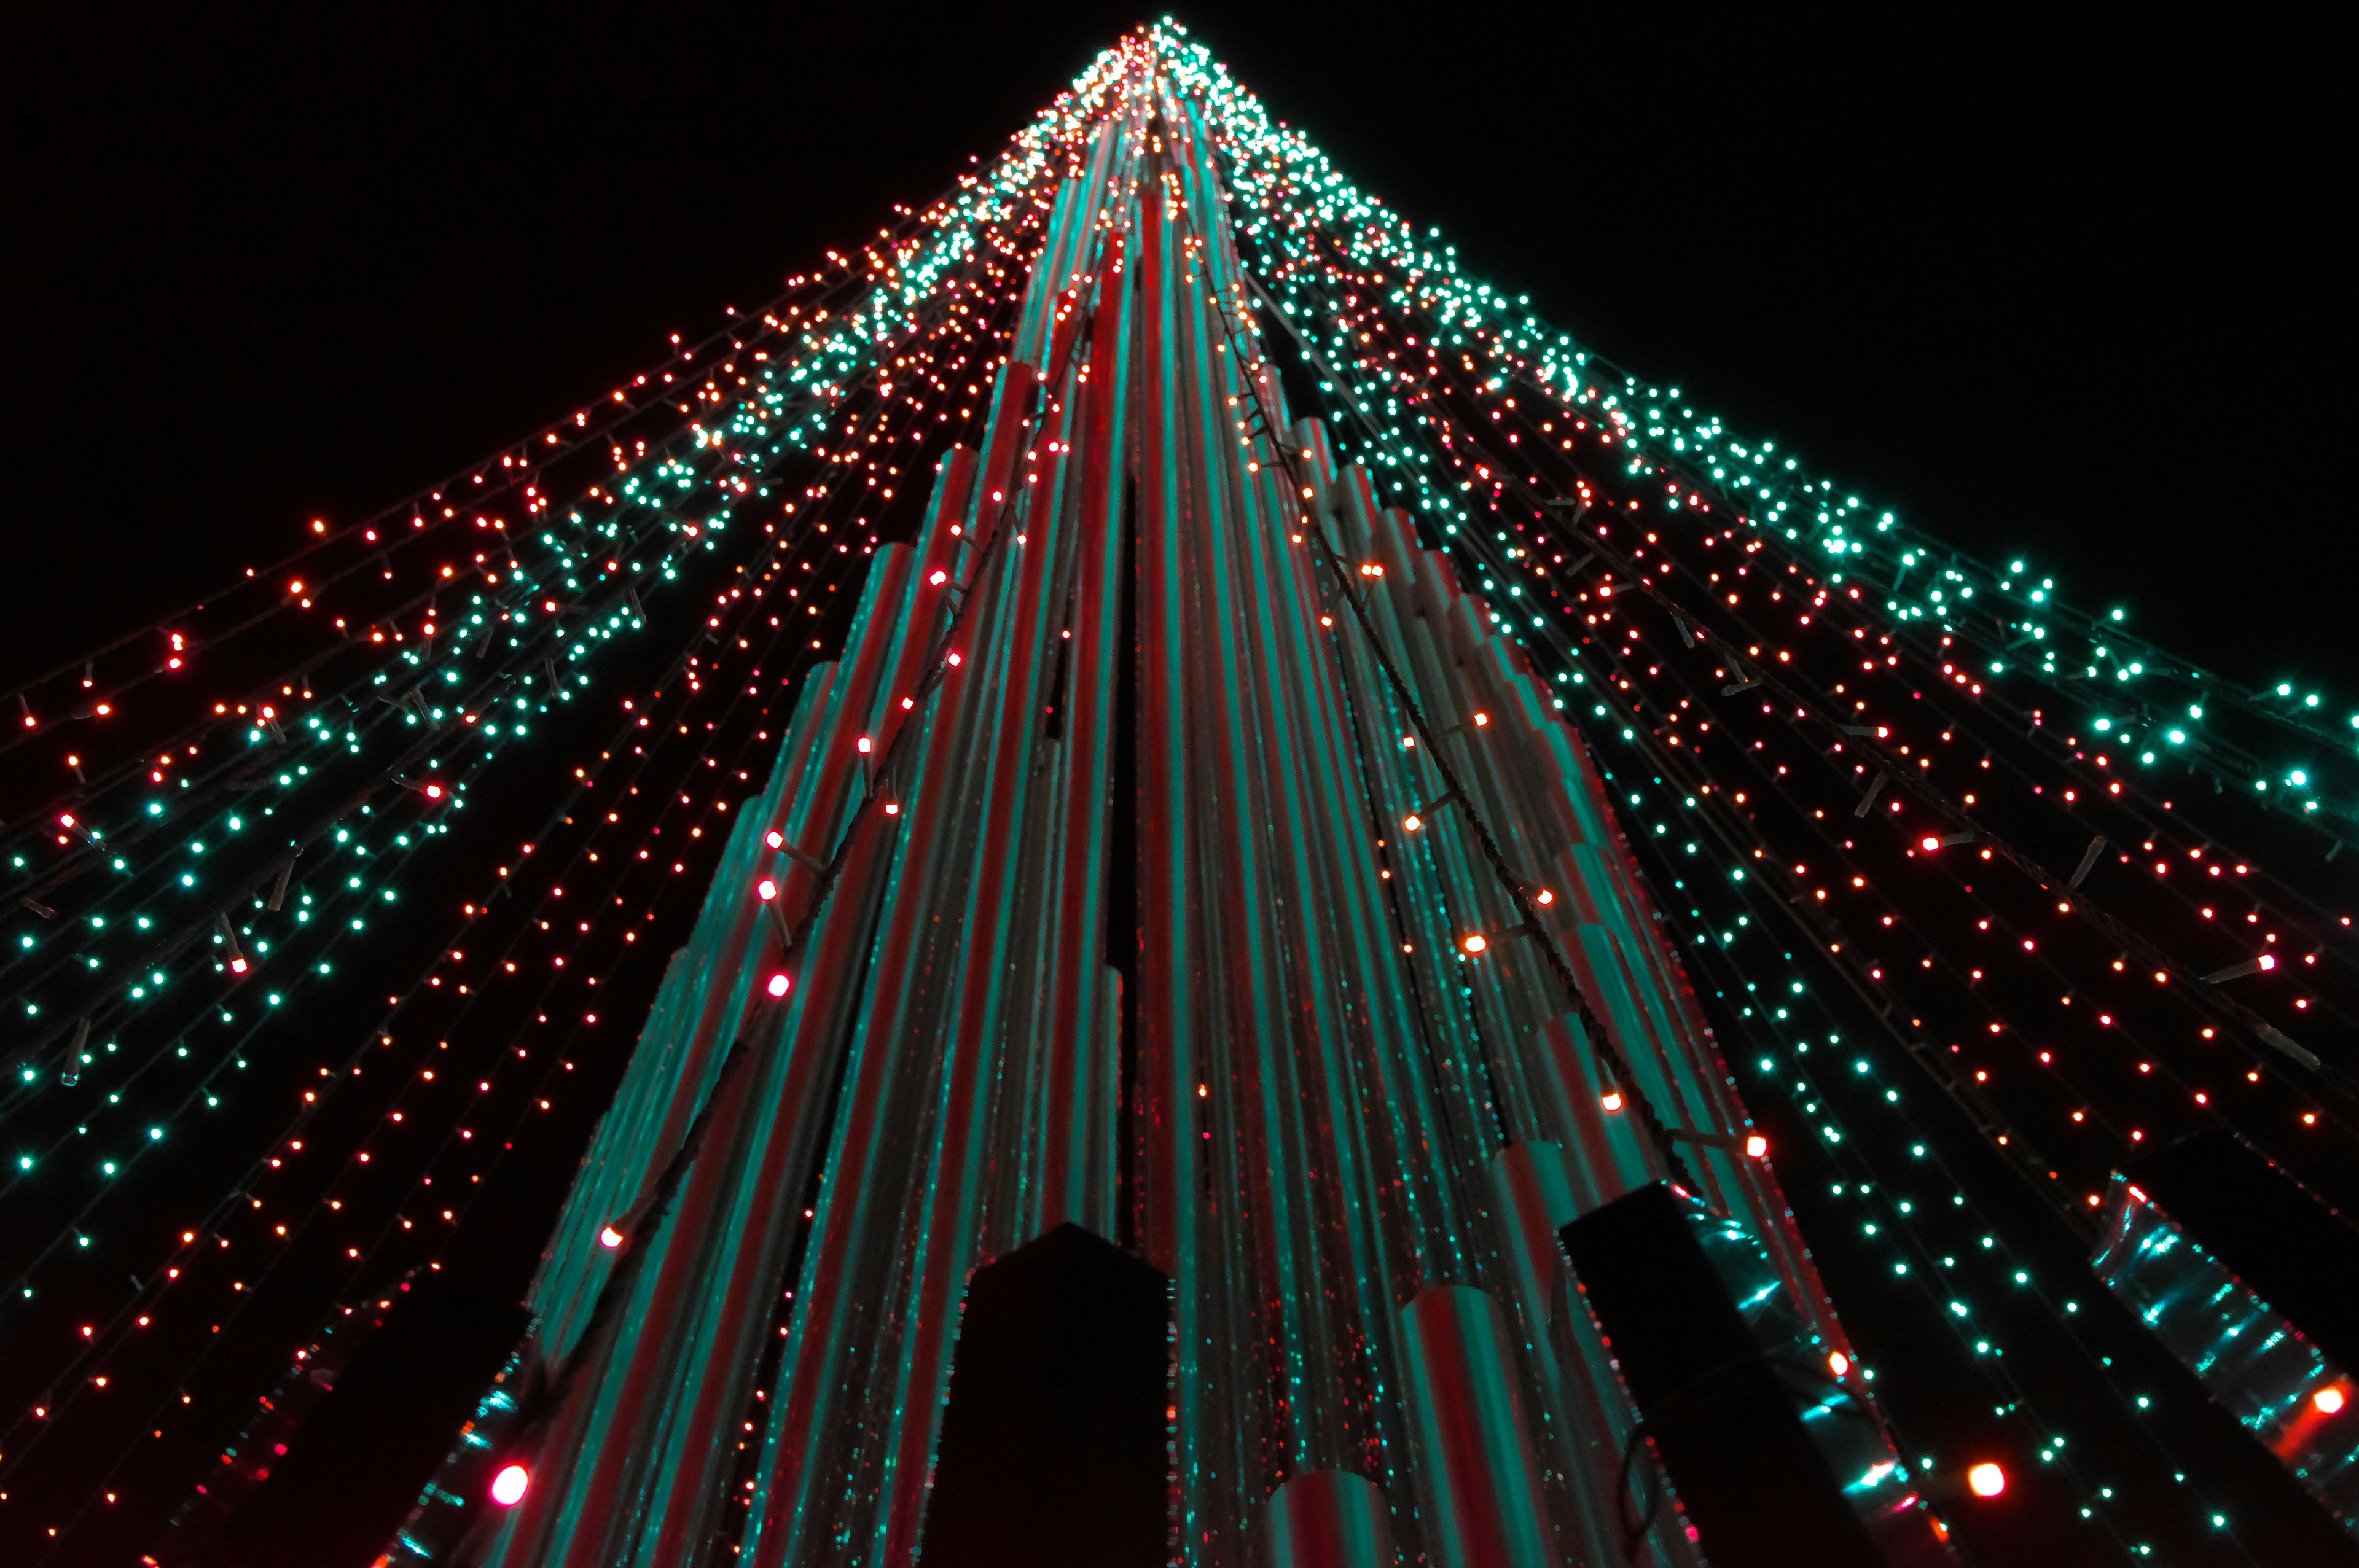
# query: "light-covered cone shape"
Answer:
x=1145 y=943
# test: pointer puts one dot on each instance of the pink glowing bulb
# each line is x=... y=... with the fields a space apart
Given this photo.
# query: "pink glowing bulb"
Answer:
x=508 y=1487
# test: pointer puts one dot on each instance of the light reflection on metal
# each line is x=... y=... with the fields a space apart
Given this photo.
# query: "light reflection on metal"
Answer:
x=1318 y=1079
x=2257 y=1365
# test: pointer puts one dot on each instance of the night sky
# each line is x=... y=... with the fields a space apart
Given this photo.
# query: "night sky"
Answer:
x=2051 y=288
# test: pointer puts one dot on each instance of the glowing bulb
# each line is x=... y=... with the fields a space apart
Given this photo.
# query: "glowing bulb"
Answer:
x=779 y=984
x=434 y=791
x=1932 y=843
x=1756 y=1147
x=1474 y=943
x=2268 y=960
x=1544 y=898
x=1412 y=822
x=939 y=578
x=1986 y=1479
x=609 y=1237
x=866 y=745
x=1612 y=1099
x=766 y=889
x=774 y=838
x=892 y=808
x=2327 y=1401
x=508 y=1487
x=1838 y=1363
x=1481 y=719
x=237 y=966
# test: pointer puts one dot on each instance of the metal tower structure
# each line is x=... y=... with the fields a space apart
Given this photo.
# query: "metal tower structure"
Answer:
x=1362 y=1002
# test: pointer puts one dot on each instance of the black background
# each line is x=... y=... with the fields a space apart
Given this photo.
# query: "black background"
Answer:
x=2051 y=287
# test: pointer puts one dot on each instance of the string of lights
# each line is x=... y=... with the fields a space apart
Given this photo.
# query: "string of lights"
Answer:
x=1464 y=721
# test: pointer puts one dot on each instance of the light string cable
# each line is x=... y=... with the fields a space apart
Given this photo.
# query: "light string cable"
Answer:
x=1657 y=750
x=1384 y=436
x=645 y=392
x=1832 y=941
x=692 y=530
x=396 y=1226
x=656 y=1199
x=244 y=769
x=522 y=464
x=888 y=493
x=1952 y=812
x=1511 y=883
x=1949 y=671
x=493 y=691
x=2006 y=1384
x=233 y=1052
x=1295 y=190
x=2133 y=942
x=453 y=792
x=449 y=1135
x=830 y=355
x=1839 y=1147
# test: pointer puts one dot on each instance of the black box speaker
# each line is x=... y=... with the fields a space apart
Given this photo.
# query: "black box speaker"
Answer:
x=1749 y=1424
x=1054 y=1450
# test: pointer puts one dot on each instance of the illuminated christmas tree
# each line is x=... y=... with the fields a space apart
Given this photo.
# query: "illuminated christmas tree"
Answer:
x=1224 y=769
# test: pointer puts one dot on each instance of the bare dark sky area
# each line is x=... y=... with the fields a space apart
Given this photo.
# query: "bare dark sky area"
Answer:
x=2049 y=286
